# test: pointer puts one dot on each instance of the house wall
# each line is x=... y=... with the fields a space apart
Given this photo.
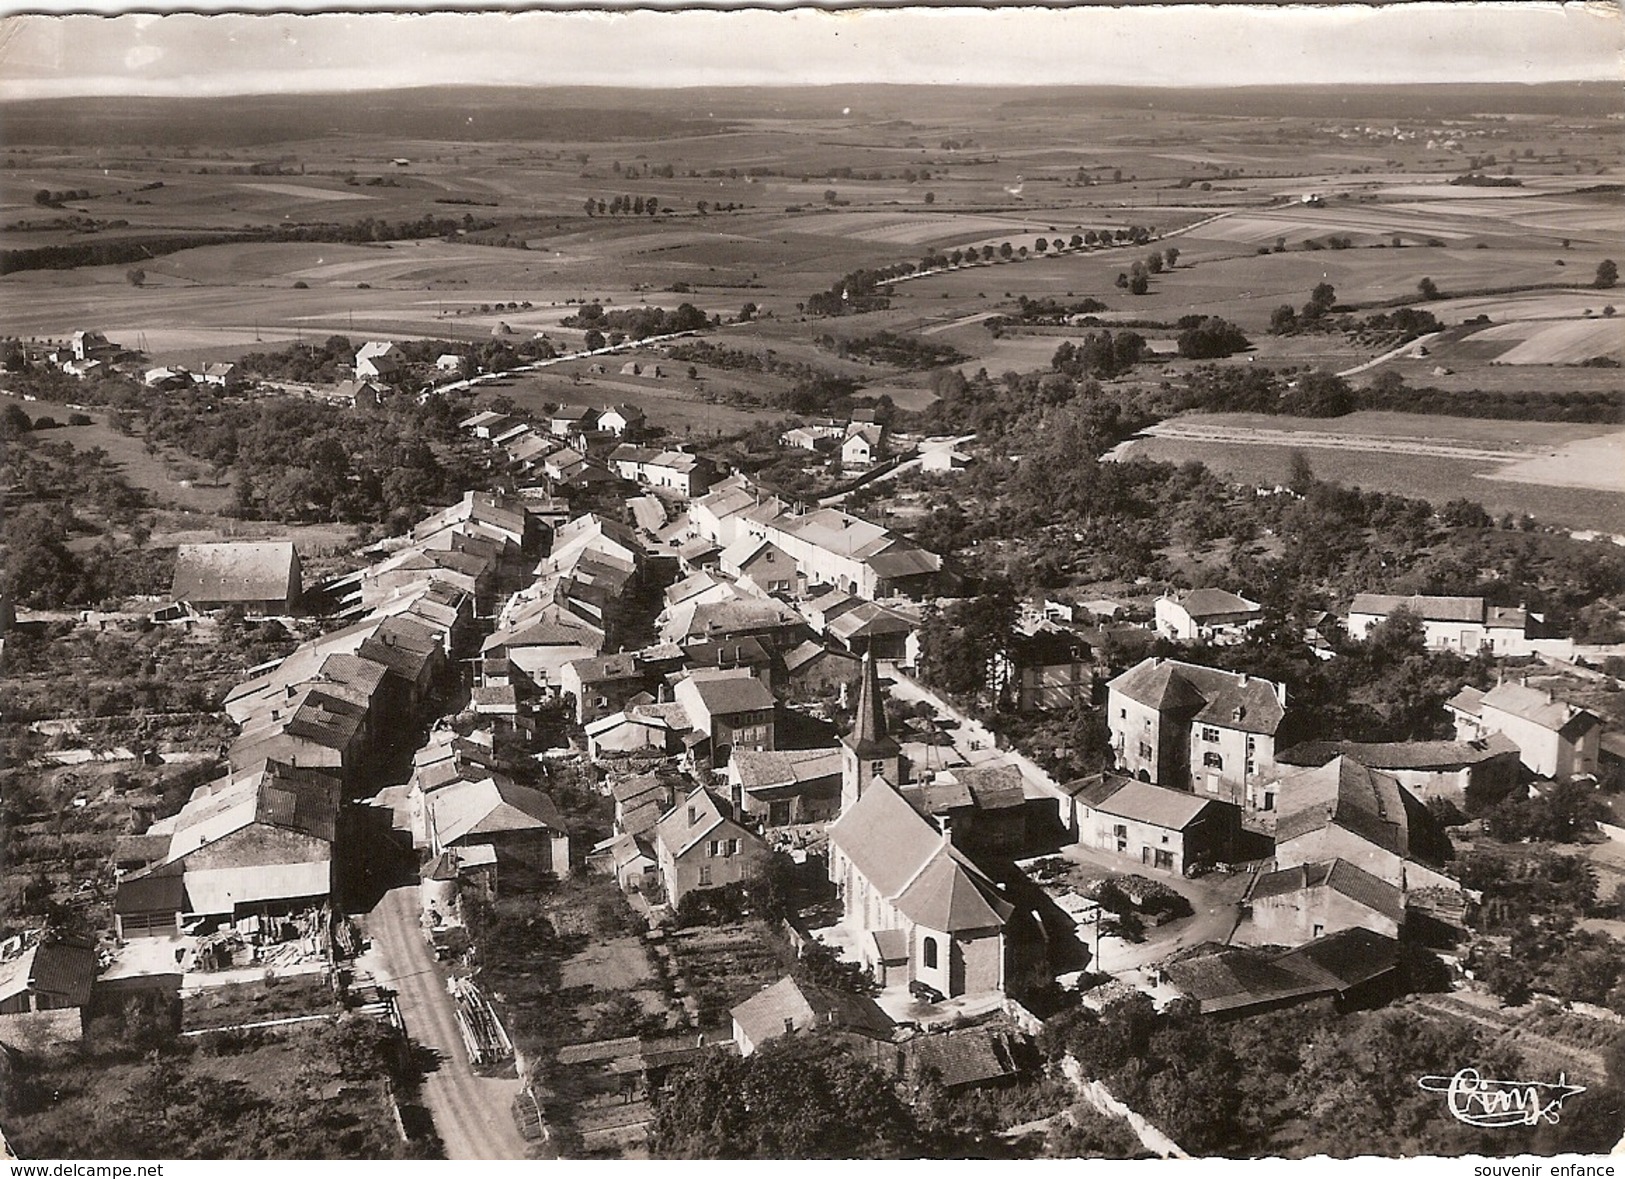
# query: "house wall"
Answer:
x=1544 y=752
x=544 y=666
x=1136 y=731
x=1138 y=841
x=1244 y=759
x=1337 y=843
x=742 y=730
x=699 y=869
x=979 y=962
x=1297 y=917
x=259 y=845
x=1056 y=686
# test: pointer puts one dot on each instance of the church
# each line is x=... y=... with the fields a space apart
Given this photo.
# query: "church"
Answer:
x=923 y=911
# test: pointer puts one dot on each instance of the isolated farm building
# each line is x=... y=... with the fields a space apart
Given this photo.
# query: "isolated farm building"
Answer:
x=729 y=708
x=944 y=459
x=43 y=991
x=1555 y=739
x=922 y=911
x=448 y=362
x=787 y=787
x=1481 y=770
x=1461 y=624
x=91 y=346
x=699 y=845
x=567 y=420
x=84 y=370
x=1294 y=905
x=1157 y=827
x=522 y=825
x=1195 y=728
x=262 y=576
x=789 y=1006
x=360 y=393
x=863 y=446
x=483 y=423
x=624 y=421
x=167 y=377
x=1208 y=616
x=768 y=568
x=1346 y=811
x=380 y=359
x=222 y=375
x=258 y=841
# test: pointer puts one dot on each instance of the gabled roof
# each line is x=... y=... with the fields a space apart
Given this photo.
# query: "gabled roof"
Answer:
x=810 y=651
x=731 y=691
x=604 y=668
x=236 y=572
x=1347 y=794
x=1215 y=603
x=789 y=1003
x=64 y=970
x=869 y=619
x=677 y=834
x=491 y=805
x=1159 y=806
x=1537 y=707
x=766 y=770
x=970 y=1056
x=1429 y=608
x=1400 y=755
x=302 y=801
x=1340 y=877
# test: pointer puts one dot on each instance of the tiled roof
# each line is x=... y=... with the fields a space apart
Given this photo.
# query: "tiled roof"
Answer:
x=493 y=804
x=235 y=572
x=788 y=1003
x=1224 y=698
x=723 y=693
x=63 y=970
x=1341 y=877
x=1156 y=805
x=764 y=770
x=973 y=1056
x=1399 y=755
x=1537 y=707
x=1343 y=792
x=1429 y=608
x=1215 y=603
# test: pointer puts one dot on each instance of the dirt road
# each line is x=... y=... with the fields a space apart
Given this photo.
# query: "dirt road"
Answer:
x=471 y=1113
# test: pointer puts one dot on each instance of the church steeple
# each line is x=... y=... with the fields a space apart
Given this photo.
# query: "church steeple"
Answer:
x=868 y=751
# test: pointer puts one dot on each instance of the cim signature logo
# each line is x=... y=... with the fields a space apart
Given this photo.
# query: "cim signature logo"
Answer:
x=1479 y=1101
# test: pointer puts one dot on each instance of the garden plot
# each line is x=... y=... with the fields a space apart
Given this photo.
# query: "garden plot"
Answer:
x=721 y=966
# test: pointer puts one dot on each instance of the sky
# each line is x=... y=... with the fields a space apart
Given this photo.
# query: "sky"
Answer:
x=1192 y=45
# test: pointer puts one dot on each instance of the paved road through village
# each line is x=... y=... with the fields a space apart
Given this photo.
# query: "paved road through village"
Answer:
x=472 y=1114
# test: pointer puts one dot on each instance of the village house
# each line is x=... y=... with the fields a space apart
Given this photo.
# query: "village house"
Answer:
x=1555 y=739
x=536 y=642
x=222 y=375
x=624 y=421
x=1294 y=905
x=1168 y=830
x=787 y=788
x=869 y=628
x=832 y=548
x=1465 y=625
x=921 y=911
x=257 y=842
x=1196 y=728
x=449 y=363
x=602 y=684
x=485 y=423
x=360 y=394
x=773 y=624
x=982 y=809
x=864 y=445
x=520 y=825
x=494 y=516
x=679 y=471
x=261 y=577
x=700 y=845
x=1346 y=811
x=1206 y=615
x=568 y=420
x=813 y=670
x=790 y=1006
x=44 y=988
x=379 y=360
x=1484 y=770
x=731 y=709
x=766 y=568
x=1043 y=668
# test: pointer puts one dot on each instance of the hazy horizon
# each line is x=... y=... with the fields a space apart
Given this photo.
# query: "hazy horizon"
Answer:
x=1153 y=47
